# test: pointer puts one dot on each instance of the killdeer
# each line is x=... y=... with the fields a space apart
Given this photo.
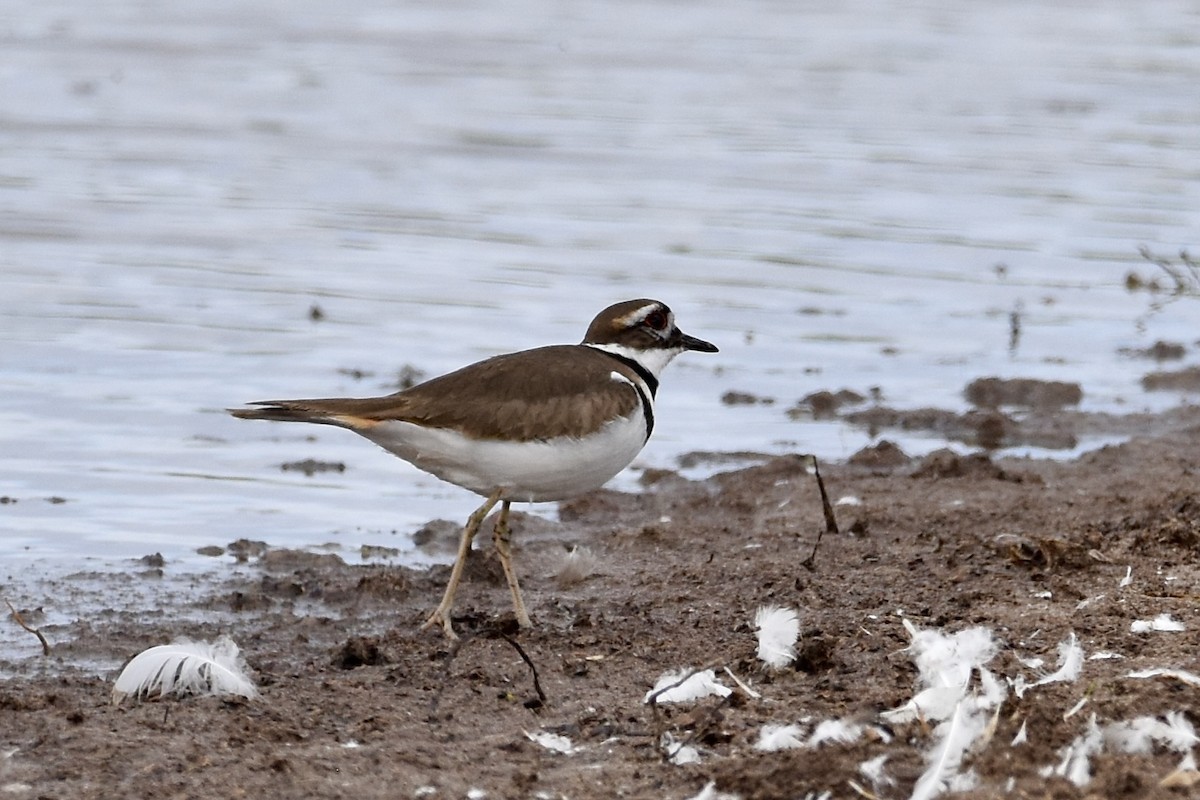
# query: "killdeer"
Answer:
x=538 y=425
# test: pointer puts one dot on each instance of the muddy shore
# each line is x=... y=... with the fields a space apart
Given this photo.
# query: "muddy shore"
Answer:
x=355 y=702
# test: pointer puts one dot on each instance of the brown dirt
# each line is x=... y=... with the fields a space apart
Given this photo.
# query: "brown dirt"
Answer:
x=356 y=703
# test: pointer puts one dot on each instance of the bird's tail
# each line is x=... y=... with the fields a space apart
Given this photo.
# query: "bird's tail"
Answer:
x=288 y=411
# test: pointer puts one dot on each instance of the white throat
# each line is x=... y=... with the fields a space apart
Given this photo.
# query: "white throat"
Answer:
x=654 y=361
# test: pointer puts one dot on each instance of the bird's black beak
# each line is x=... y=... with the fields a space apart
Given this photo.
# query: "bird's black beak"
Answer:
x=692 y=343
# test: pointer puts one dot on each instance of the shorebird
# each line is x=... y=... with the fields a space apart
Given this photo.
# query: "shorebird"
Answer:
x=538 y=425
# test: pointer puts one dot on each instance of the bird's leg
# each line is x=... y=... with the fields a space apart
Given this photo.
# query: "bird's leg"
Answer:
x=501 y=537
x=442 y=612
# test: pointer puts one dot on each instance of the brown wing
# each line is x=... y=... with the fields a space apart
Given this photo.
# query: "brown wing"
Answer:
x=562 y=390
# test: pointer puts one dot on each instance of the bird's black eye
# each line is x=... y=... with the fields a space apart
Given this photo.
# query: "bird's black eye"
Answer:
x=656 y=319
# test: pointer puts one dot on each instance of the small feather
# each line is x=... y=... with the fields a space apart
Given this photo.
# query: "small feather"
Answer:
x=1075 y=709
x=1076 y=757
x=836 y=730
x=934 y=704
x=778 y=630
x=1190 y=678
x=778 y=737
x=185 y=667
x=1162 y=623
x=577 y=565
x=954 y=736
x=552 y=741
x=1140 y=734
x=691 y=686
x=709 y=792
x=873 y=771
x=679 y=753
x=1070 y=662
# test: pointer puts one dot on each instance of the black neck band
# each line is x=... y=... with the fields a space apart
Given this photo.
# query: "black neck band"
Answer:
x=646 y=375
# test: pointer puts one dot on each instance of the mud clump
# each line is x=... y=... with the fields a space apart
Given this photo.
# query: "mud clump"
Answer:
x=1023 y=392
x=1182 y=380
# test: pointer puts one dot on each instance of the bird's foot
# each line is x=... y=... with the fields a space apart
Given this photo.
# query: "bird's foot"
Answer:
x=441 y=617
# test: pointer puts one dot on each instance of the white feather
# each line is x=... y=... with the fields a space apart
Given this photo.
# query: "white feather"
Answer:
x=1132 y=736
x=1140 y=734
x=1162 y=623
x=1076 y=757
x=955 y=736
x=947 y=660
x=679 y=753
x=575 y=566
x=779 y=737
x=944 y=665
x=836 y=730
x=1070 y=662
x=778 y=630
x=185 y=667
x=1190 y=678
x=690 y=687
x=552 y=741
x=873 y=771
x=933 y=704
x=1179 y=735
x=709 y=792
x=1022 y=736
x=1075 y=709
x=992 y=689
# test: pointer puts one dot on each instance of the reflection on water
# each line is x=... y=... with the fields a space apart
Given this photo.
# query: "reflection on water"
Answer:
x=838 y=195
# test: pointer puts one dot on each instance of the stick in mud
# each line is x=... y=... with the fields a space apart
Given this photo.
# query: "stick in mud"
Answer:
x=831 y=525
x=16 y=615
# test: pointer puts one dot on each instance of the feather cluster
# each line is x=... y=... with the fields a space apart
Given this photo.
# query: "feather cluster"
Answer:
x=945 y=665
x=185 y=667
x=1138 y=735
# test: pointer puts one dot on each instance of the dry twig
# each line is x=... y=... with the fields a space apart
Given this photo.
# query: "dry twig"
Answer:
x=831 y=525
x=16 y=615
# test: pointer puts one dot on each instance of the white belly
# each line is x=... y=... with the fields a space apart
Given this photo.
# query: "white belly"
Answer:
x=528 y=471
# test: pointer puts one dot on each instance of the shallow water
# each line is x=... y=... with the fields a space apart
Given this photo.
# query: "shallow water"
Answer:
x=837 y=194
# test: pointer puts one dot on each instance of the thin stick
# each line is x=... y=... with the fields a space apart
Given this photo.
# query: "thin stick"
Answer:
x=537 y=685
x=831 y=525
x=457 y=644
x=16 y=615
